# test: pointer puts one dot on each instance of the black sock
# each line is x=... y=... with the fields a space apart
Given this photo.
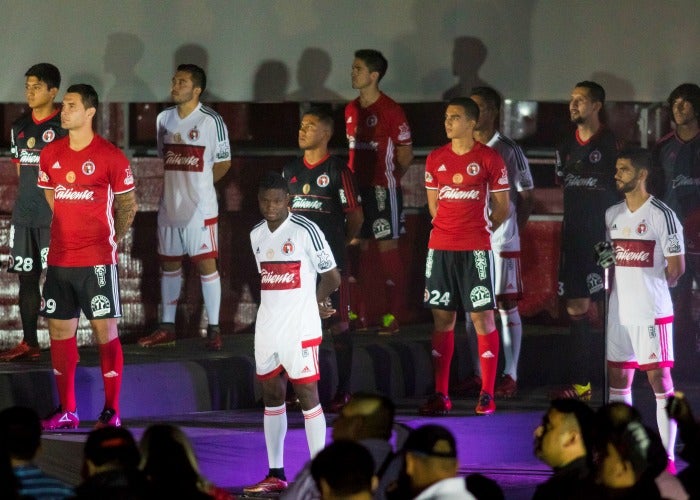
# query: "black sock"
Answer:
x=342 y=345
x=29 y=303
x=580 y=342
x=278 y=473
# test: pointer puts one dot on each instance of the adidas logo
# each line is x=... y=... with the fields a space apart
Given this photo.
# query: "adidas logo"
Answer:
x=65 y=418
x=488 y=354
x=305 y=370
x=204 y=247
x=653 y=355
x=293 y=179
x=349 y=120
x=110 y=374
x=57 y=373
x=56 y=165
x=442 y=168
x=435 y=354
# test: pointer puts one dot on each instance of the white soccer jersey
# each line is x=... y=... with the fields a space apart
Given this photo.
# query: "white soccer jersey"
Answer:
x=642 y=239
x=189 y=148
x=288 y=261
x=506 y=237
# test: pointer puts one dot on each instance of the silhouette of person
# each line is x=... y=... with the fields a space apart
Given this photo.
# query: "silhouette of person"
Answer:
x=122 y=54
x=271 y=81
x=313 y=69
x=468 y=56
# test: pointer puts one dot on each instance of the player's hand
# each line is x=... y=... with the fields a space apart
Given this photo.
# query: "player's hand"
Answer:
x=325 y=309
x=605 y=254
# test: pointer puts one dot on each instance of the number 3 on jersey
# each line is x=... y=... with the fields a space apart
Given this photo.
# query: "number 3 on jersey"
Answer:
x=435 y=298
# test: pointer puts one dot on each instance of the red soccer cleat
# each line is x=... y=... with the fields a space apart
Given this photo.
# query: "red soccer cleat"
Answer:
x=160 y=337
x=270 y=484
x=21 y=351
x=60 y=419
x=108 y=418
x=486 y=404
x=438 y=405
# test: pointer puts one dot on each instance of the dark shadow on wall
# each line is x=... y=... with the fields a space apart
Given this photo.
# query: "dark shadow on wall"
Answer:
x=271 y=81
x=313 y=69
x=122 y=53
x=192 y=53
x=468 y=56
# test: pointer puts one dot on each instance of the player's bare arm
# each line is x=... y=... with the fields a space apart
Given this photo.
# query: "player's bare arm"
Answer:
x=500 y=208
x=404 y=158
x=329 y=283
x=524 y=206
x=125 y=207
x=432 y=195
x=353 y=223
x=220 y=169
x=675 y=267
x=48 y=194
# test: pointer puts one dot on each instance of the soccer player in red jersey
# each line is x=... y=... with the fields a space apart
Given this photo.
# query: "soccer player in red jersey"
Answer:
x=380 y=154
x=468 y=197
x=89 y=186
x=31 y=215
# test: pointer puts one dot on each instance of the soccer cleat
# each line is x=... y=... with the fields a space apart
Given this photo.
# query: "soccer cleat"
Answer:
x=161 y=337
x=336 y=404
x=572 y=391
x=471 y=386
x=506 y=387
x=215 y=341
x=108 y=418
x=486 y=404
x=357 y=323
x=21 y=351
x=60 y=419
x=438 y=405
x=390 y=325
x=671 y=467
x=270 y=484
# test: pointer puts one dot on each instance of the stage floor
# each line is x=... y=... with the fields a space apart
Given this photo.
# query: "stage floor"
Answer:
x=215 y=399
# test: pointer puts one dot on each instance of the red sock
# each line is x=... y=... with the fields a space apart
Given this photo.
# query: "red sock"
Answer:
x=393 y=272
x=64 y=359
x=443 y=347
x=112 y=365
x=488 y=359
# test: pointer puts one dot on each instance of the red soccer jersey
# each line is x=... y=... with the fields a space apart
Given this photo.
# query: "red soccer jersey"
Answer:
x=373 y=134
x=84 y=184
x=463 y=183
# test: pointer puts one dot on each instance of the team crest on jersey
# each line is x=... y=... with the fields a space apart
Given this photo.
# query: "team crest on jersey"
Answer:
x=457 y=179
x=177 y=137
x=306 y=189
x=100 y=305
x=193 y=134
x=288 y=247
x=642 y=228
x=70 y=177
x=324 y=260
x=503 y=180
x=674 y=244
x=129 y=177
x=595 y=156
x=323 y=180
x=594 y=282
x=480 y=296
x=48 y=135
x=270 y=253
x=404 y=132
x=88 y=168
x=31 y=142
x=371 y=120
x=473 y=168
x=428 y=177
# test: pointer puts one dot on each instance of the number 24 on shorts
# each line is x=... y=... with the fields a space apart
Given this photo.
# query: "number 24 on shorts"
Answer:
x=434 y=298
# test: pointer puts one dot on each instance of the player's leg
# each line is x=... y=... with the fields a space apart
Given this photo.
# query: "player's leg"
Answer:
x=662 y=383
x=488 y=341
x=303 y=369
x=202 y=244
x=509 y=288
x=390 y=209
x=342 y=346
x=170 y=252
x=314 y=418
x=622 y=361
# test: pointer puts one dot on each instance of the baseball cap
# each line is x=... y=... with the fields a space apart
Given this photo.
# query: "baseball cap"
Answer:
x=432 y=440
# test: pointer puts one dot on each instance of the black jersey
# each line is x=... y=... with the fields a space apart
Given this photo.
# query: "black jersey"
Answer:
x=677 y=171
x=323 y=192
x=28 y=139
x=587 y=172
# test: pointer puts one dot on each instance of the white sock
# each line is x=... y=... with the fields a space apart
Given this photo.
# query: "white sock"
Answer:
x=512 y=338
x=667 y=426
x=315 y=425
x=170 y=286
x=275 y=427
x=211 y=292
x=473 y=344
x=620 y=395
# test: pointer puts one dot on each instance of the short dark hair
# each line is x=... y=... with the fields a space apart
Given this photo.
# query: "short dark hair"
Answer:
x=621 y=426
x=471 y=109
x=595 y=90
x=112 y=445
x=322 y=114
x=346 y=466
x=689 y=92
x=490 y=95
x=584 y=415
x=273 y=180
x=374 y=60
x=199 y=77
x=640 y=158
x=379 y=422
x=47 y=73
x=87 y=92
x=20 y=432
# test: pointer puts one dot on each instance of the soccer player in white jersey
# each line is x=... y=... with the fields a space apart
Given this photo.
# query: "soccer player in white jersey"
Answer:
x=291 y=252
x=193 y=143
x=649 y=258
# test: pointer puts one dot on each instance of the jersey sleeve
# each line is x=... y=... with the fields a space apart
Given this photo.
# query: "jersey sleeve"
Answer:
x=160 y=134
x=348 y=193
x=497 y=172
x=14 y=149
x=222 y=148
x=121 y=178
x=522 y=180
x=350 y=127
x=45 y=162
x=670 y=231
x=318 y=249
x=431 y=181
x=399 y=130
